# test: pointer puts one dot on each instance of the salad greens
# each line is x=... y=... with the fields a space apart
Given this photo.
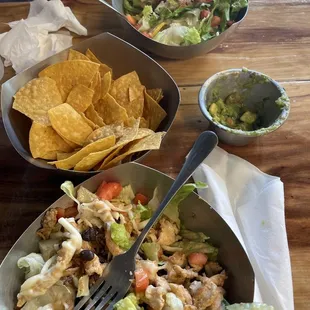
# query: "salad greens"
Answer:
x=182 y=22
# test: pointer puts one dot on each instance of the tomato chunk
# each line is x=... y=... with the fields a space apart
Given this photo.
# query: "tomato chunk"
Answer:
x=71 y=212
x=197 y=259
x=108 y=191
x=140 y=197
x=142 y=280
x=60 y=213
x=131 y=19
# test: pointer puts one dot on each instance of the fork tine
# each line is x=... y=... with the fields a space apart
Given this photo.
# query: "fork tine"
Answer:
x=99 y=294
x=118 y=297
x=106 y=299
x=92 y=291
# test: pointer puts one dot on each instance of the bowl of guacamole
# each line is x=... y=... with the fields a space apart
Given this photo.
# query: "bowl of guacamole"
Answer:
x=243 y=104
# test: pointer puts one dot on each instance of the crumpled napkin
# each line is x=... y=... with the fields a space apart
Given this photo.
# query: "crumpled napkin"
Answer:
x=252 y=204
x=30 y=41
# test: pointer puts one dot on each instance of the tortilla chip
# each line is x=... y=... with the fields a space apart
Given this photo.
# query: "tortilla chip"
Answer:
x=36 y=98
x=106 y=84
x=105 y=131
x=94 y=81
x=92 y=115
x=69 y=73
x=144 y=123
x=153 y=112
x=80 y=97
x=93 y=159
x=110 y=111
x=44 y=142
x=97 y=146
x=136 y=101
x=151 y=142
x=156 y=94
x=72 y=145
x=142 y=132
x=120 y=87
x=69 y=123
x=103 y=68
x=61 y=156
x=75 y=55
x=97 y=88
x=89 y=122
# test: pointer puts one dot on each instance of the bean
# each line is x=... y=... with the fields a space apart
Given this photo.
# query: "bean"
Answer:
x=87 y=255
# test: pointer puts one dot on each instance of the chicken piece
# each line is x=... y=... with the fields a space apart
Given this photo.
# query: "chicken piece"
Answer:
x=162 y=282
x=154 y=297
x=168 y=232
x=128 y=224
x=219 y=279
x=217 y=303
x=94 y=266
x=86 y=245
x=112 y=246
x=203 y=293
x=178 y=258
x=151 y=236
x=182 y=293
x=212 y=268
x=178 y=275
x=48 y=223
x=190 y=307
x=150 y=267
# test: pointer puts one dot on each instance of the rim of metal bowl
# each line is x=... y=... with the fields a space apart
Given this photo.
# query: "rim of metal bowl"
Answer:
x=260 y=132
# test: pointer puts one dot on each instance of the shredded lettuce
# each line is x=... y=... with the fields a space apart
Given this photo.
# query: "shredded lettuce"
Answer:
x=189 y=247
x=173 y=302
x=193 y=236
x=126 y=195
x=83 y=286
x=69 y=190
x=144 y=211
x=253 y=306
x=192 y=36
x=128 y=7
x=172 y=210
x=130 y=302
x=57 y=295
x=31 y=263
x=151 y=250
x=120 y=236
x=174 y=35
x=149 y=18
x=85 y=196
x=49 y=247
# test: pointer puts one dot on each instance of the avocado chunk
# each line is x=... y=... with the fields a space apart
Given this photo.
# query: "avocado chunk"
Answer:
x=248 y=117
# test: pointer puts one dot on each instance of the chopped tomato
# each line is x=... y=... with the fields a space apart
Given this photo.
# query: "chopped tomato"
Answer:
x=138 y=26
x=146 y=34
x=108 y=191
x=131 y=19
x=198 y=259
x=60 y=213
x=142 y=280
x=204 y=14
x=229 y=23
x=140 y=197
x=71 y=212
x=216 y=20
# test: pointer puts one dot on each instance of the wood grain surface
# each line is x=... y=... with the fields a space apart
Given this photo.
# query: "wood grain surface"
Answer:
x=274 y=39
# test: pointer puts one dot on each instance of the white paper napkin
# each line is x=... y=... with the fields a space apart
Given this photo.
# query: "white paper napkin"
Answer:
x=252 y=203
x=30 y=41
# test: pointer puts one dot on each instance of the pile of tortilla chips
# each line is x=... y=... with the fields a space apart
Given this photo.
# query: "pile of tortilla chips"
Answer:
x=82 y=119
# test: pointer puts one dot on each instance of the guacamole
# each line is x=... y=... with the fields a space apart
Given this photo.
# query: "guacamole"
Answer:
x=233 y=113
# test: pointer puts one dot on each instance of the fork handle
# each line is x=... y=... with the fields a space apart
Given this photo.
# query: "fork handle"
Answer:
x=203 y=146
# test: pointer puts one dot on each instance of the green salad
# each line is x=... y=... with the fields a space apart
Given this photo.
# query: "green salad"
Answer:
x=176 y=269
x=182 y=22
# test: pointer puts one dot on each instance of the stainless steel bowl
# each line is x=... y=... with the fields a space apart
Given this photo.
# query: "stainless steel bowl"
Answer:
x=195 y=213
x=116 y=53
x=174 y=52
x=256 y=88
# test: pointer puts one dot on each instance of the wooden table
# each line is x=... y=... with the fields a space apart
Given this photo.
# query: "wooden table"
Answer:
x=274 y=39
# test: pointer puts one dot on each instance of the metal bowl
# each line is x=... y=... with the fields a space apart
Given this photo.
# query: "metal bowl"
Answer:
x=195 y=213
x=174 y=52
x=256 y=88
x=116 y=53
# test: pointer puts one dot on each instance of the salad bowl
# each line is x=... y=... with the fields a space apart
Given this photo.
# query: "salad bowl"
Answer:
x=195 y=214
x=169 y=51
